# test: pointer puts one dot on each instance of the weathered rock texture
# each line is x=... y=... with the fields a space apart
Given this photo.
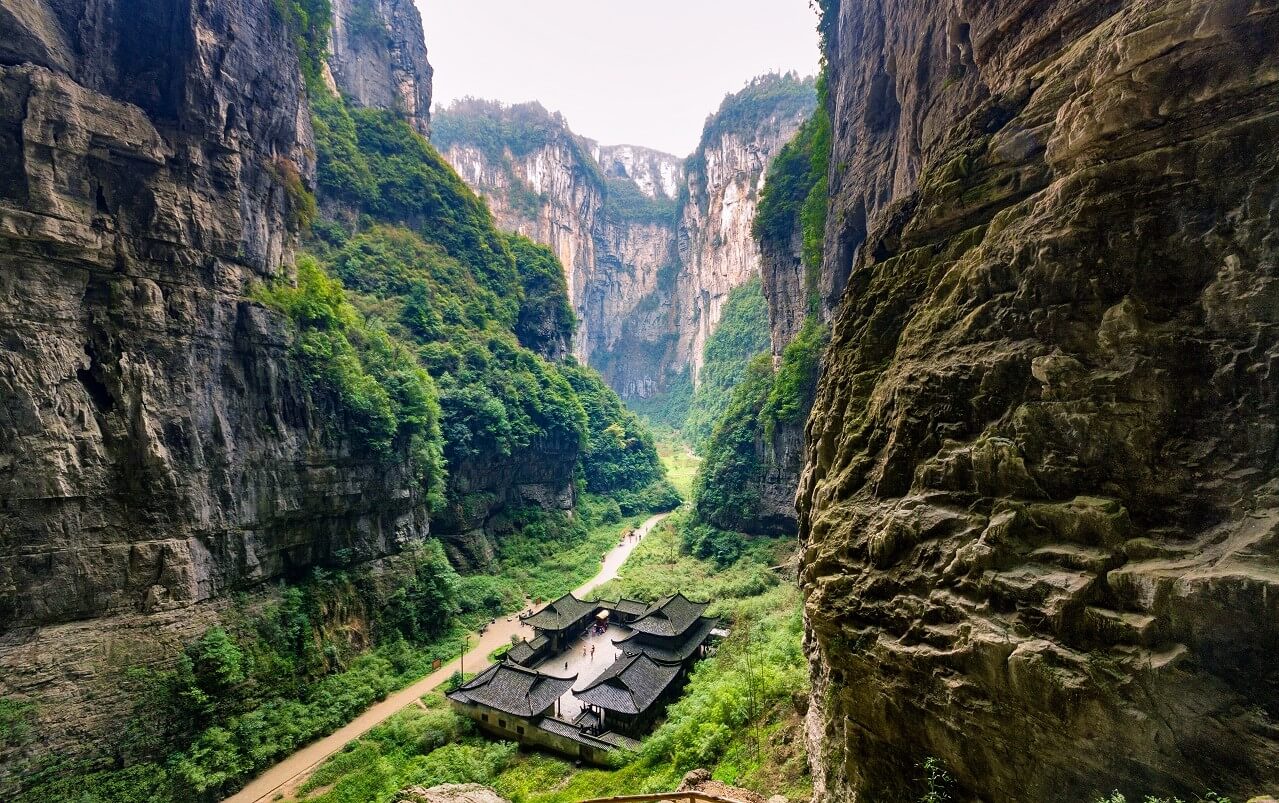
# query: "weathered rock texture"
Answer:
x=556 y=193
x=157 y=445
x=647 y=283
x=1041 y=502
x=377 y=57
x=449 y=793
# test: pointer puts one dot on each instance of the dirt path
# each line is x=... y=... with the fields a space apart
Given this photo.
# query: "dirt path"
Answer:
x=287 y=776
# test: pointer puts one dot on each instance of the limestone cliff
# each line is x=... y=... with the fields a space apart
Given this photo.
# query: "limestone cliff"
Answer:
x=157 y=443
x=545 y=182
x=653 y=244
x=377 y=57
x=1041 y=506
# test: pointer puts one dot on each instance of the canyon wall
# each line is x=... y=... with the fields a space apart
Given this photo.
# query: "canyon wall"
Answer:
x=159 y=446
x=653 y=244
x=1040 y=508
x=545 y=182
x=377 y=58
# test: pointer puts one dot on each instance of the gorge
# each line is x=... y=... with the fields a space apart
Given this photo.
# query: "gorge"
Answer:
x=302 y=384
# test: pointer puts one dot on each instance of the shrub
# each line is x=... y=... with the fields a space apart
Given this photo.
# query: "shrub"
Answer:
x=742 y=334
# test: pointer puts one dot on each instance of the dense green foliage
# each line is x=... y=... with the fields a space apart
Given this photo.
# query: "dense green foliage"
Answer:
x=274 y=678
x=779 y=95
x=795 y=385
x=741 y=335
x=309 y=21
x=385 y=398
x=620 y=459
x=669 y=408
x=727 y=491
x=470 y=303
x=796 y=195
x=546 y=321
x=624 y=201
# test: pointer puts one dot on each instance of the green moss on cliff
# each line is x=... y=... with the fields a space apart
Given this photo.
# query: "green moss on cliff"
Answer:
x=741 y=335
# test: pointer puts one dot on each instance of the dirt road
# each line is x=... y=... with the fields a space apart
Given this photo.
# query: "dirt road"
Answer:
x=293 y=771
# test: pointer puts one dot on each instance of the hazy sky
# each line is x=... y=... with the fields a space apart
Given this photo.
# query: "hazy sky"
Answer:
x=636 y=72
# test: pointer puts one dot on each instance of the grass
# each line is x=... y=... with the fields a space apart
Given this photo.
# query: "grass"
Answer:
x=681 y=464
x=736 y=717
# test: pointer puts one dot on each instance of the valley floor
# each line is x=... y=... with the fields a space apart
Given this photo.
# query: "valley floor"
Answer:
x=738 y=717
x=289 y=775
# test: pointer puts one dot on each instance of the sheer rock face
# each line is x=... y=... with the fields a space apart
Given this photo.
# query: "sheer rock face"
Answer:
x=1040 y=508
x=782 y=456
x=648 y=289
x=716 y=252
x=553 y=195
x=378 y=59
x=158 y=447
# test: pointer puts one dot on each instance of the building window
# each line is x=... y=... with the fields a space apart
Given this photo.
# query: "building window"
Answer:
x=485 y=716
x=520 y=730
x=501 y=723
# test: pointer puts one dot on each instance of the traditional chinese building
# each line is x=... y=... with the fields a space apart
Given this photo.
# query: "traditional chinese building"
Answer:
x=661 y=641
x=629 y=695
x=509 y=700
x=672 y=631
x=560 y=621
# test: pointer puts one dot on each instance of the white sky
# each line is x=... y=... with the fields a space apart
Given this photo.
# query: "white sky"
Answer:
x=635 y=72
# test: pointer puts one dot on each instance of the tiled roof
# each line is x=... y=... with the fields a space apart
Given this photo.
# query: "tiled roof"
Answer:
x=562 y=614
x=631 y=607
x=669 y=650
x=511 y=688
x=521 y=653
x=562 y=728
x=669 y=616
x=630 y=685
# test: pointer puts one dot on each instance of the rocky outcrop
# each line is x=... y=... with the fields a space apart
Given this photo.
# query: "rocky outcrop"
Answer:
x=449 y=793
x=652 y=244
x=158 y=446
x=1040 y=511
x=377 y=58
x=543 y=181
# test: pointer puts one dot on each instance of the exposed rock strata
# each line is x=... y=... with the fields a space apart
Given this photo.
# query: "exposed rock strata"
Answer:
x=649 y=287
x=556 y=195
x=377 y=57
x=157 y=445
x=1040 y=508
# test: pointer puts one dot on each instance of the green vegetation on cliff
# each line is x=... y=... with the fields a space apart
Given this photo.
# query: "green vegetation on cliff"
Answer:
x=741 y=335
x=795 y=196
x=774 y=96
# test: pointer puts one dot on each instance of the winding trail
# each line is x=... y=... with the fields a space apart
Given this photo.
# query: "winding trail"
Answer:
x=288 y=775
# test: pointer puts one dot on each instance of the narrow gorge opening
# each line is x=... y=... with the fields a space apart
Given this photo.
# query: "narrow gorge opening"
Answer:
x=477 y=399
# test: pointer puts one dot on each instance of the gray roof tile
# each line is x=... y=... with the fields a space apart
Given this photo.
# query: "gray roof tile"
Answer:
x=562 y=614
x=630 y=685
x=670 y=616
x=513 y=689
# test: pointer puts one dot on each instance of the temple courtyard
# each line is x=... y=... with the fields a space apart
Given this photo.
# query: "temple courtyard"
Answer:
x=553 y=692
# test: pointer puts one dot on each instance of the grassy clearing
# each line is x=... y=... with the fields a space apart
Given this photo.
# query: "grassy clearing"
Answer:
x=681 y=464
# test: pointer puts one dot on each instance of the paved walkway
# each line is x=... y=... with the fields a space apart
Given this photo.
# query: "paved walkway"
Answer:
x=288 y=775
x=587 y=667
